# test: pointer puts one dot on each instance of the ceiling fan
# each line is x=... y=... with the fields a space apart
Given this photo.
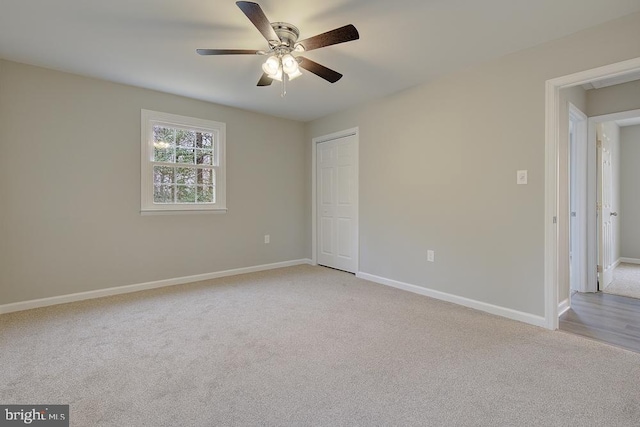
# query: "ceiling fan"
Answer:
x=282 y=65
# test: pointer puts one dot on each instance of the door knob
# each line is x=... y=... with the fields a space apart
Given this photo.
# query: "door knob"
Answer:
x=613 y=213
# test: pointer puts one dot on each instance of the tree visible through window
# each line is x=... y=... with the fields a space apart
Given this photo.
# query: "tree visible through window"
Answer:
x=184 y=161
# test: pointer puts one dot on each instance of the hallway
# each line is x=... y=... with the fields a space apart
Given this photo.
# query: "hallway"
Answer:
x=626 y=281
x=604 y=317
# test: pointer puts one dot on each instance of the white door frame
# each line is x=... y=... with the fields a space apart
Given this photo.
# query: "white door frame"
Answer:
x=553 y=192
x=314 y=196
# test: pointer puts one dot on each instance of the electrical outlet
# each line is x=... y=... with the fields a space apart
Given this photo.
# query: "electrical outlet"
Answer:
x=431 y=256
x=267 y=238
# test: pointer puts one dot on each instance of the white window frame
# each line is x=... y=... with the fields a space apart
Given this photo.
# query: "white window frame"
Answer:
x=148 y=120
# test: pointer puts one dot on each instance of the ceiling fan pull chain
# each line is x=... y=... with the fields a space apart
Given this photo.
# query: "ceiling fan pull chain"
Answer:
x=284 y=85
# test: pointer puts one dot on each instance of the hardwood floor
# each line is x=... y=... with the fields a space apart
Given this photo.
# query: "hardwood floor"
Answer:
x=604 y=317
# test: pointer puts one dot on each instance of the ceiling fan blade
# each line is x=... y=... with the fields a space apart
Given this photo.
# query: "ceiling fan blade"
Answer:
x=339 y=35
x=259 y=19
x=265 y=80
x=320 y=70
x=227 y=52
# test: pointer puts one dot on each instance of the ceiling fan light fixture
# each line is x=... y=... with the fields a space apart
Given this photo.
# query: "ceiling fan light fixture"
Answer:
x=277 y=76
x=289 y=64
x=294 y=75
x=271 y=66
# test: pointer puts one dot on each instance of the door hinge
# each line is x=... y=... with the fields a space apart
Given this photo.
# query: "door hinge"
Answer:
x=599 y=269
x=555 y=220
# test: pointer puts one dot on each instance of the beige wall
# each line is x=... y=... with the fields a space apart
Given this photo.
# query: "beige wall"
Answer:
x=613 y=99
x=438 y=171
x=578 y=97
x=70 y=189
x=630 y=191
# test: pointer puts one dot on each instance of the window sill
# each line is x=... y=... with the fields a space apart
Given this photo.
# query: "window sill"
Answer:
x=182 y=212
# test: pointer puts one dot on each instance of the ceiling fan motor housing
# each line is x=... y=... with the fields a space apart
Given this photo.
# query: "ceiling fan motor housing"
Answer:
x=288 y=34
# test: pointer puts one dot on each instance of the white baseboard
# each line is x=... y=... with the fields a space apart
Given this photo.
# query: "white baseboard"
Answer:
x=629 y=260
x=563 y=307
x=80 y=296
x=617 y=263
x=478 y=305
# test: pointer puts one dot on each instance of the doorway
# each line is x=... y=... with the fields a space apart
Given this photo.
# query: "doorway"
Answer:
x=605 y=312
x=557 y=204
x=610 y=133
x=615 y=180
x=621 y=275
x=335 y=201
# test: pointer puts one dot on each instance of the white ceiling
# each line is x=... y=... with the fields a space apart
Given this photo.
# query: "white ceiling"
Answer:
x=151 y=43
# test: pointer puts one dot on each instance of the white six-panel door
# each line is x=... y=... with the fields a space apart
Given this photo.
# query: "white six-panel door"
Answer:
x=337 y=192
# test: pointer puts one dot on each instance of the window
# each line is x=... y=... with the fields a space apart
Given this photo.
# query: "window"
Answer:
x=183 y=163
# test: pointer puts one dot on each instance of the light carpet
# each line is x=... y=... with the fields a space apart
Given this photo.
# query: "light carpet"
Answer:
x=626 y=281
x=307 y=346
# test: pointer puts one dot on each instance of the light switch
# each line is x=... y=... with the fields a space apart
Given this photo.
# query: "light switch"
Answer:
x=522 y=177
